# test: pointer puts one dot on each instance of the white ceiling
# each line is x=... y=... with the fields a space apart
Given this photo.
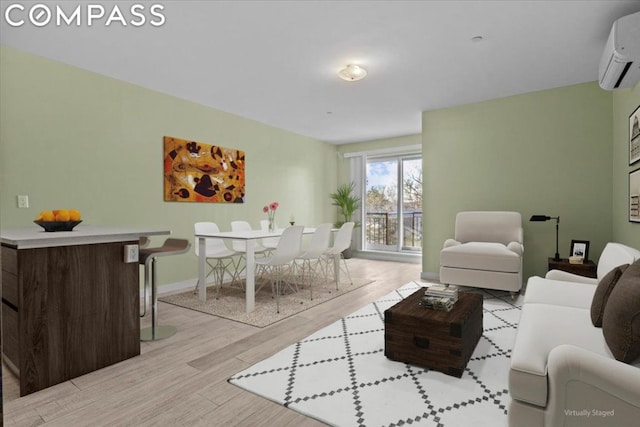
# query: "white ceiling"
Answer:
x=276 y=61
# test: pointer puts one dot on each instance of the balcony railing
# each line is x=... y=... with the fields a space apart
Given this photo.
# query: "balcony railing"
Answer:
x=381 y=229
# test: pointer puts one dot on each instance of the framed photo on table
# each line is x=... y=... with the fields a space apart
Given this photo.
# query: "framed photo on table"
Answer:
x=634 y=136
x=580 y=249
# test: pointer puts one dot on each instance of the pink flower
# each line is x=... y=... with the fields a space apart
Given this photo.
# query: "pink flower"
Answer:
x=273 y=206
x=265 y=209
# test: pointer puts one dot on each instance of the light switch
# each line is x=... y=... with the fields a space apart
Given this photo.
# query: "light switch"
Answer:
x=23 y=201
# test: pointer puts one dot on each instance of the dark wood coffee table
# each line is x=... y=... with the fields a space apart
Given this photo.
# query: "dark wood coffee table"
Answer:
x=434 y=339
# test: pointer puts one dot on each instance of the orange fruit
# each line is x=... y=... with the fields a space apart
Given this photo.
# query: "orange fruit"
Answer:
x=48 y=216
x=62 y=215
x=74 y=215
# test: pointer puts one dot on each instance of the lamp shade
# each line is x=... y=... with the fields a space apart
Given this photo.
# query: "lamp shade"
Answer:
x=536 y=218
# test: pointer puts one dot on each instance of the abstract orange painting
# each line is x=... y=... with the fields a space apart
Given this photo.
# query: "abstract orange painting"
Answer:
x=198 y=172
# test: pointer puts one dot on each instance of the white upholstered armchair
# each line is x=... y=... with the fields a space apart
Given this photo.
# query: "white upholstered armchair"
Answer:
x=486 y=251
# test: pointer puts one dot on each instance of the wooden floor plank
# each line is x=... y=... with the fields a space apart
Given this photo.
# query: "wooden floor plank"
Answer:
x=182 y=380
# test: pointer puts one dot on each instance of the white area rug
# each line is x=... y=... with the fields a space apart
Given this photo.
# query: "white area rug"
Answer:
x=340 y=376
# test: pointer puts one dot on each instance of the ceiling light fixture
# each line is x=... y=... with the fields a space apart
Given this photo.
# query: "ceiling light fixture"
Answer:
x=352 y=72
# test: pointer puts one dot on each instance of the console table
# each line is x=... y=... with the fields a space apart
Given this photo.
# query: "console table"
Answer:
x=70 y=303
x=587 y=268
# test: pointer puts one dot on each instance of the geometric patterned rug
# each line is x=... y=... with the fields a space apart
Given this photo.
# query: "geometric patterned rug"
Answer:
x=340 y=376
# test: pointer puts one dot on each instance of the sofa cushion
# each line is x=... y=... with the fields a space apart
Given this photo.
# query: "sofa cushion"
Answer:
x=613 y=255
x=488 y=226
x=621 y=319
x=556 y=292
x=543 y=327
x=602 y=293
x=481 y=256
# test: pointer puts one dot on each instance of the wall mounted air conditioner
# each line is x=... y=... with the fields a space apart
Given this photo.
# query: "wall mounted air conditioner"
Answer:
x=620 y=63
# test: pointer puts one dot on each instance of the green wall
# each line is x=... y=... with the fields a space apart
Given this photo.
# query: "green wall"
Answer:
x=75 y=139
x=624 y=103
x=547 y=152
x=72 y=138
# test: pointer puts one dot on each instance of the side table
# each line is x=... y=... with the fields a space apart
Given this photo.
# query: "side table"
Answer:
x=587 y=268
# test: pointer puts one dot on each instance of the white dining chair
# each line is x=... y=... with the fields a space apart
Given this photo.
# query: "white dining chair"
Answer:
x=312 y=268
x=218 y=256
x=341 y=242
x=240 y=246
x=279 y=264
x=269 y=243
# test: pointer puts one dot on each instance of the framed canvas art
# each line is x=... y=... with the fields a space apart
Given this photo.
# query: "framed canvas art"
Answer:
x=634 y=136
x=199 y=172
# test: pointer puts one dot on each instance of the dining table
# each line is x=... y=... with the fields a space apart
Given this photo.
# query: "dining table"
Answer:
x=250 y=238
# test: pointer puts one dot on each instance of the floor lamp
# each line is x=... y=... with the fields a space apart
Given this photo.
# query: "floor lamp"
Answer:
x=539 y=218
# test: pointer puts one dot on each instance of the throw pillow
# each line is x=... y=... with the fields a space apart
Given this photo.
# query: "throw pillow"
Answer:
x=600 y=297
x=621 y=319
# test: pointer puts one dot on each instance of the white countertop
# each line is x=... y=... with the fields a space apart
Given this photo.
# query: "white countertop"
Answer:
x=36 y=237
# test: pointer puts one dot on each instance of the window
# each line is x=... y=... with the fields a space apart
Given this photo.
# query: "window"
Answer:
x=393 y=204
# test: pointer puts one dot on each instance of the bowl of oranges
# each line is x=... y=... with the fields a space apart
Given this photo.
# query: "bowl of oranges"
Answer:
x=59 y=219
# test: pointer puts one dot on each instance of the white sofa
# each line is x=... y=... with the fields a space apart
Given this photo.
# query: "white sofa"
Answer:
x=562 y=370
x=486 y=251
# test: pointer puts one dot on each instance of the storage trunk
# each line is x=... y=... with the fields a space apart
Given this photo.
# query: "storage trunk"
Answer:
x=434 y=339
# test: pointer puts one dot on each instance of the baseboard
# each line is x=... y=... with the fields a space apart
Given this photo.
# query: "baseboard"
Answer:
x=178 y=286
x=173 y=287
x=389 y=256
x=426 y=275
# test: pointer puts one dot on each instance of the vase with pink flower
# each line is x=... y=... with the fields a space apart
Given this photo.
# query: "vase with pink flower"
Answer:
x=270 y=210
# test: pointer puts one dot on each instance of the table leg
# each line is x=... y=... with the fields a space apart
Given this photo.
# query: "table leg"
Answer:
x=154 y=299
x=251 y=275
x=336 y=268
x=202 y=258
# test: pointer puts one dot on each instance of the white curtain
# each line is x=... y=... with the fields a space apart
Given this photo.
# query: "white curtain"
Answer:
x=357 y=174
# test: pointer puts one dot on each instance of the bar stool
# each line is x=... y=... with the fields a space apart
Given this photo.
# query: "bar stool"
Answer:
x=148 y=257
x=144 y=242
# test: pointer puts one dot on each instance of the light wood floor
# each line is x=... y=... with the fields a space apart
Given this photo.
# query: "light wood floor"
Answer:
x=181 y=381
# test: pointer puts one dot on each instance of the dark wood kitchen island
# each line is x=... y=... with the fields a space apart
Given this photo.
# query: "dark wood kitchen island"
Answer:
x=70 y=302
